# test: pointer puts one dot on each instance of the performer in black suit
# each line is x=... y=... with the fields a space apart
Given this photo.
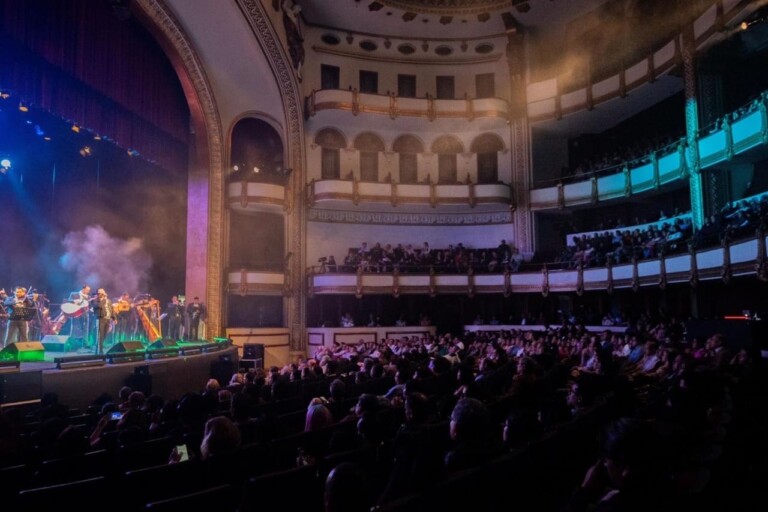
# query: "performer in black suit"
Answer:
x=195 y=313
x=175 y=312
x=102 y=308
x=20 y=310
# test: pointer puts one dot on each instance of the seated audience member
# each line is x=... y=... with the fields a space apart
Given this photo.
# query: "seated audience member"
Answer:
x=470 y=429
x=318 y=416
x=629 y=475
x=221 y=436
x=347 y=489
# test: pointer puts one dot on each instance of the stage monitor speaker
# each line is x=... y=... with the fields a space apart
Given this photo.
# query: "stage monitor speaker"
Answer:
x=24 y=351
x=254 y=352
x=222 y=370
x=57 y=343
x=21 y=387
x=163 y=343
x=126 y=346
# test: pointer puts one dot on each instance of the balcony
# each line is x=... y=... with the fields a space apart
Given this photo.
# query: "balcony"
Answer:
x=728 y=139
x=426 y=194
x=256 y=282
x=394 y=106
x=248 y=196
x=741 y=258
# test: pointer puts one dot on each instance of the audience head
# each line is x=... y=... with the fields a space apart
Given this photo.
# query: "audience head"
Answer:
x=221 y=435
x=470 y=421
x=318 y=417
x=346 y=489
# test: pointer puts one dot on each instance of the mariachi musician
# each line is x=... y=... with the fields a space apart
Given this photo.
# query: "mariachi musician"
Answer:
x=78 y=307
x=123 y=309
x=102 y=308
x=3 y=312
x=20 y=310
x=175 y=312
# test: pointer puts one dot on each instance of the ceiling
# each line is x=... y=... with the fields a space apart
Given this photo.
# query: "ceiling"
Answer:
x=447 y=19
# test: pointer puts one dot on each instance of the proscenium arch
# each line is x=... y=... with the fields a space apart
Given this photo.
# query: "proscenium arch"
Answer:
x=208 y=159
x=208 y=164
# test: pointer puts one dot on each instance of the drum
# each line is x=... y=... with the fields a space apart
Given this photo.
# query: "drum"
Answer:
x=73 y=310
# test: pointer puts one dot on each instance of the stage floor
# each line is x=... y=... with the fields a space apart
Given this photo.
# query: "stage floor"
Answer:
x=78 y=376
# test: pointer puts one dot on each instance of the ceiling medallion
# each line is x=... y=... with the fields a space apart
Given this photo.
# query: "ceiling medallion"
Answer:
x=448 y=7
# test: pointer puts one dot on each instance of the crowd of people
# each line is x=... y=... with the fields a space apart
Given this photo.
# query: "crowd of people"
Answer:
x=734 y=221
x=409 y=258
x=406 y=414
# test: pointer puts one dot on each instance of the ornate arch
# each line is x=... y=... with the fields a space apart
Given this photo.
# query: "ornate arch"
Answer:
x=368 y=141
x=447 y=145
x=177 y=44
x=407 y=143
x=330 y=138
x=487 y=143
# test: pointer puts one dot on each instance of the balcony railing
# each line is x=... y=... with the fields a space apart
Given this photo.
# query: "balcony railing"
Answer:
x=431 y=194
x=394 y=106
x=740 y=258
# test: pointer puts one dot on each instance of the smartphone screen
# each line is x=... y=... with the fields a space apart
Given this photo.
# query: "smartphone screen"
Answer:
x=116 y=415
x=181 y=449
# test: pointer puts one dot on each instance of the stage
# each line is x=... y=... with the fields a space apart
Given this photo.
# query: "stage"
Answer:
x=78 y=376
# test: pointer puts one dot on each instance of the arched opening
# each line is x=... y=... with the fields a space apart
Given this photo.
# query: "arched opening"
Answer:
x=369 y=145
x=487 y=147
x=446 y=148
x=408 y=147
x=256 y=153
x=331 y=142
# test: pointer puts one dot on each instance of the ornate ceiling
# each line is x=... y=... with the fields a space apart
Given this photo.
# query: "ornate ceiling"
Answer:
x=450 y=7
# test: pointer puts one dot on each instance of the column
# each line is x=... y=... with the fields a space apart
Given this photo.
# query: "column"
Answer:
x=688 y=55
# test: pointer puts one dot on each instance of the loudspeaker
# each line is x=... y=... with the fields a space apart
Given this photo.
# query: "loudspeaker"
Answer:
x=254 y=352
x=222 y=370
x=21 y=387
x=164 y=343
x=24 y=351
x=126 y=346
x=56 y=343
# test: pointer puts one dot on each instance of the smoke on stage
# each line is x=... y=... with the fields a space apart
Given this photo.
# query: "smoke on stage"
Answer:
x=103 y=261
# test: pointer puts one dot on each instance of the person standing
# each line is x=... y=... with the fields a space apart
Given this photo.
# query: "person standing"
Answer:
x=124 y=315
x=103 y=310
x=175 y=312
x=20 y=309
x=195 y=313
x=80 y=318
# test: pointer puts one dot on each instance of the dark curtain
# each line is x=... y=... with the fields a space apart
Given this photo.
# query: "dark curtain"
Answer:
x=78 y=60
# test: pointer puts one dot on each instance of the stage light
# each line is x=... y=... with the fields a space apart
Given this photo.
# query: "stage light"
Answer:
x=97 y=137
x=46 y=138
x=85 y=151
x=744 y=25
x=4 y=95
x=133 y=152
x=235 y=167
x=39 y=131
x=5 y=164
x=23 y=107
x=256 y=170
x=75 y=128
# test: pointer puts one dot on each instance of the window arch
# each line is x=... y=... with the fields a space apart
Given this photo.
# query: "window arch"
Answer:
x=487 y=147
x=408 y=147
x=447 y=147
x=256 y=152
x=369 y=145
x=331 y=141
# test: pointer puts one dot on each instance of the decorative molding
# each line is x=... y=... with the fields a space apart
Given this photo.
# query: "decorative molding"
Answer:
x=287 y=82
x=410 y=219
x=491 y=57
x=161 y=17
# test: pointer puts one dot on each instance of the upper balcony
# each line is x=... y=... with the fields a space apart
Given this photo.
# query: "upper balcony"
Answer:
x=735 y=134
x=394 y=106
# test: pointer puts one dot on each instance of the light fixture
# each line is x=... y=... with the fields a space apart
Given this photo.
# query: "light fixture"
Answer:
x=4 y=95
x=256 y=170
x=5 y=163
x=23 y=107
x=86 y=151
x=75 y=128
x=97 y=137
x=235 y=167
x=133 y=152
